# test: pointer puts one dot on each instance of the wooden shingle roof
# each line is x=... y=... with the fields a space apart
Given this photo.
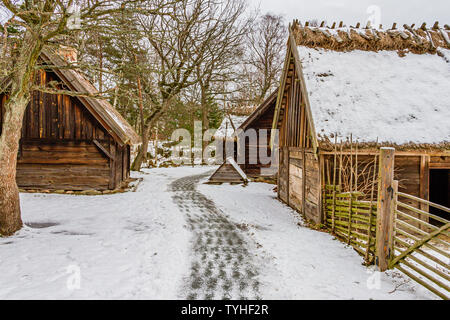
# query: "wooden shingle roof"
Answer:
x=101 y=109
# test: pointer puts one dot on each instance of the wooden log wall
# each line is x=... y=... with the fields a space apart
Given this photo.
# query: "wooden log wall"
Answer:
x=63 y=147
x=264 y=122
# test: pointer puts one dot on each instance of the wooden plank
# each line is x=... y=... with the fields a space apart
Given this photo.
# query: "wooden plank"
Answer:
x=103 y=149
x=424 y=192
x=385 y=197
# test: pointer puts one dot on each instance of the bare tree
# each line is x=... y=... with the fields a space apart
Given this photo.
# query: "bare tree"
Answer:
x=30 y=27
x=218 y=67
x=266 y=45
x=185 y=46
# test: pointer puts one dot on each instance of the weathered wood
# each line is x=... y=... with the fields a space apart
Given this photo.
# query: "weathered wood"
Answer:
x=423 y=283
x=334 y=179
x=58 y=130
x=385 y=197
x=419 y=244
x=103 y=149
x=392 y=216
x=425 y=202
x=424 y=184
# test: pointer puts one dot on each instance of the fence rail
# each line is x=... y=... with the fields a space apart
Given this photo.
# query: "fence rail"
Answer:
x=421 y=250
x=352 y=220
x=390 y=232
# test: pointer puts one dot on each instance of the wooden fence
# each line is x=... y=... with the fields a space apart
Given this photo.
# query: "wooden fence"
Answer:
x=421 y=249
x=391 y=233
x=352 y=220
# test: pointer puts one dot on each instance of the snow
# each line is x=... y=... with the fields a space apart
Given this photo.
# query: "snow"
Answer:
x=138 y=245
x=445 y=54
x=378 y=95
x=231 y=161
x=126 y=246
x=301 y=263
x=226 y=129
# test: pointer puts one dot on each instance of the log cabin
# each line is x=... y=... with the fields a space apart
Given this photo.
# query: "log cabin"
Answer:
x=252 y=165
x=349 y=88
x=261 y=121
x=71 y=142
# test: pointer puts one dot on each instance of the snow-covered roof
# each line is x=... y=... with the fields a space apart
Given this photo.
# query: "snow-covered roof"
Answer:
x=226 y=129
x=379 y=94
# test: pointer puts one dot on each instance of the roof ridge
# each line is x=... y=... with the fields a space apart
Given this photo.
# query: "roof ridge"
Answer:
x=340 y=37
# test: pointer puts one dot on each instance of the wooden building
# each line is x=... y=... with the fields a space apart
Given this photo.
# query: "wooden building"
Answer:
x=253 y=165
x=374 y=88
x=260 y=119
x=68 y=142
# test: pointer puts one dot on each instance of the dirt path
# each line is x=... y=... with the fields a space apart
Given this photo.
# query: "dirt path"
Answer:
x=223 y=266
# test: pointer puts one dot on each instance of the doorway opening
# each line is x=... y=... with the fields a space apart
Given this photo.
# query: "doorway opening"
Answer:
x=440 y=192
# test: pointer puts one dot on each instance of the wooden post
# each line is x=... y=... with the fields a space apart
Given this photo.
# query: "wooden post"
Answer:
x=424 y=189
x=384 y=207
x=393 y=217
x=334 y=183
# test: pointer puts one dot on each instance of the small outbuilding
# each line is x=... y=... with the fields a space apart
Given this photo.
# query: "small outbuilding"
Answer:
x=345 y=92
x=254 y=134
x=71 y=142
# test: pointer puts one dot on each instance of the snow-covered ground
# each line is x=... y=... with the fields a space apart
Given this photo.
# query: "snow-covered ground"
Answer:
x=140 y=245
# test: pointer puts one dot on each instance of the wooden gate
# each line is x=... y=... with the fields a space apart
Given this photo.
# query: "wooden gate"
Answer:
x=421 y=249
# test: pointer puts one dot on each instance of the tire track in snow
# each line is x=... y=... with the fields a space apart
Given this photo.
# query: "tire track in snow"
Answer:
x=222 y=266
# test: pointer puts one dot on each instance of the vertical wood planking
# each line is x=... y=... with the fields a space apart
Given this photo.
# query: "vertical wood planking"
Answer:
x=424 y=187
x=385 y=198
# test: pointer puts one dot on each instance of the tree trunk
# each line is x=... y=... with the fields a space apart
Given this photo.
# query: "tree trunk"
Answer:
x=10 y=217
x=205 y=120
x=142 y=153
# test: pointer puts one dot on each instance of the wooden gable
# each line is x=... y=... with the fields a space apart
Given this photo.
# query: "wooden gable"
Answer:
x=293 y=113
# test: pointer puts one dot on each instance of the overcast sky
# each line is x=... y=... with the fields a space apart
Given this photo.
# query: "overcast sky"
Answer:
x=352 y=11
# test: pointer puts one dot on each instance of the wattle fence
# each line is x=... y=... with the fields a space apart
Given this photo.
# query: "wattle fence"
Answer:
x=391 y=233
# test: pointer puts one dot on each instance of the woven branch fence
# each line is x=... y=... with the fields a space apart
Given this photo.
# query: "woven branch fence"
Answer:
x=389 y=232
x=352 y=220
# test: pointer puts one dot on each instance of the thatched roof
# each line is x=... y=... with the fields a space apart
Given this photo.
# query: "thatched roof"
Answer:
x=389 y=85
x=342 y=38
x=101 y=109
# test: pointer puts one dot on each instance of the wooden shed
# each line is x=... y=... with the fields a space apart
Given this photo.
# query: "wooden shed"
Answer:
x=252 y=165
x=260 y=119
x=350 y=90
x=68 y=142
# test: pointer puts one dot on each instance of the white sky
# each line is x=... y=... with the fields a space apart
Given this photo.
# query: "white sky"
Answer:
x=353 y=11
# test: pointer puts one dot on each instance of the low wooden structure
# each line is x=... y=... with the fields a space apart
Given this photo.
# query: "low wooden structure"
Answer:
x=68 y=142
x=346 y=91
x=228 y=172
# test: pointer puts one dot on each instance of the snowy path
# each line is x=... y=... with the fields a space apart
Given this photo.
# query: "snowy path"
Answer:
x=222 y=266
x=178 y=238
